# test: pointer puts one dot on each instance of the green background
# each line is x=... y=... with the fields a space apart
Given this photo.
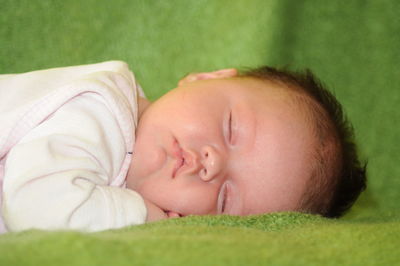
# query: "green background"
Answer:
x=353 y=46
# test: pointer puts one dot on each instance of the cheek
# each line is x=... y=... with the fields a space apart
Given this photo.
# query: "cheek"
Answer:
x=197 y=201
x=195 y=130
x=147 y=161
x=190 y=119
x=188 y=198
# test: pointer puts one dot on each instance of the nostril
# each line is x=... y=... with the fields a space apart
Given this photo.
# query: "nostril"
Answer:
x=203 y=174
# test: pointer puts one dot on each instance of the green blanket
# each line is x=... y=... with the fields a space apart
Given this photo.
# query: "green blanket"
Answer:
x=353 y=46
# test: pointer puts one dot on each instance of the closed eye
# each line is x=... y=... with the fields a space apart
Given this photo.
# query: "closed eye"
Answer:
x=223 y=201
x=224 y=197
x=230 y=128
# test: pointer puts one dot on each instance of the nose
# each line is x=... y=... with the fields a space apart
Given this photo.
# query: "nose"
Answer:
x=212 y=163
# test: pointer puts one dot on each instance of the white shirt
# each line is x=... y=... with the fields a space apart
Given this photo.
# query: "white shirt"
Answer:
x=66 y=142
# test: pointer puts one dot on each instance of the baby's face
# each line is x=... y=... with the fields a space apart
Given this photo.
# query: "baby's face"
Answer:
x=223 y=146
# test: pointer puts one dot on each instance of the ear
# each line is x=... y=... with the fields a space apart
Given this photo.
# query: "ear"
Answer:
x=222 y=73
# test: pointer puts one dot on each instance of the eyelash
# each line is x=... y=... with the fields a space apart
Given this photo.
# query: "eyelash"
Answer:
x=230 y=128
x=224 y=198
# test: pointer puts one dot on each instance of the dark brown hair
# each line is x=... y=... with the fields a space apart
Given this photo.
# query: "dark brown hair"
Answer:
x=338 y=177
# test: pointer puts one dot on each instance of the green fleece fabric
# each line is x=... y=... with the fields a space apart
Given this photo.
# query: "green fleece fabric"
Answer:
x=353 y=46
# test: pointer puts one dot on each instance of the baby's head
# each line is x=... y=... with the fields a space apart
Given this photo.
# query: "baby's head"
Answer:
x=258 y=142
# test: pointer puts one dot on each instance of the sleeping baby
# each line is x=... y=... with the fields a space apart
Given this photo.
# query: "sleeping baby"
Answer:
x=81 y=148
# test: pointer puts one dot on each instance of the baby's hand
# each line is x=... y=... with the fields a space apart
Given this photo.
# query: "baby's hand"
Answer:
x=172 y=214
x=222 y=73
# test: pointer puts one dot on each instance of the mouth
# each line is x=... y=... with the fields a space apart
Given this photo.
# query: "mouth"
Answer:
x=178 y=165
x=180 y=161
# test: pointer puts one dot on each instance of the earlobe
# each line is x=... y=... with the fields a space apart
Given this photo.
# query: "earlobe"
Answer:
x=222 y=73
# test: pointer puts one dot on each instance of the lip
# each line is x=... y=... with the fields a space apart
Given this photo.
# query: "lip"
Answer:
x=177 y=153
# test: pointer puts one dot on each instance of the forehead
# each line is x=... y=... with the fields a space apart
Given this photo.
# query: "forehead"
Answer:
x=248 y=89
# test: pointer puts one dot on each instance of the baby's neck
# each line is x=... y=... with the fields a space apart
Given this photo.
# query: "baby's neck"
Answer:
x=142 y=105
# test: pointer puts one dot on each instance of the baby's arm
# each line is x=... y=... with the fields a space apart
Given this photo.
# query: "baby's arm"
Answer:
x=58 y=176
x=75 y=196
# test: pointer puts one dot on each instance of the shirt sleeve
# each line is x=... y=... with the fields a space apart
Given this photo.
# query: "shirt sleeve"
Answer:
x=58 y=176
